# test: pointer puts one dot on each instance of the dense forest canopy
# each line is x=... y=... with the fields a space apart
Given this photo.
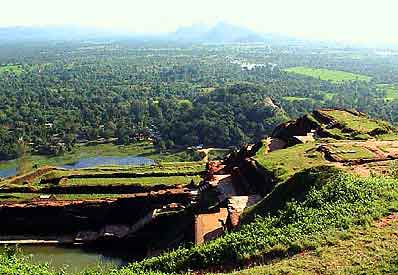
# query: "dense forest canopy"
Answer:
x=54 y=96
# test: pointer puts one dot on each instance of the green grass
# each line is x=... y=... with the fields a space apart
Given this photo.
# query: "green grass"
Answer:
x=15 y=69
x=363 y=250
x=6 y=197
x=140 y=149
x=176 y=168
x=173 y=180
x=328 y=95
x=328 y=75
x=284 y=163
x=390 y=91
x=296 y=98
x=111 y=174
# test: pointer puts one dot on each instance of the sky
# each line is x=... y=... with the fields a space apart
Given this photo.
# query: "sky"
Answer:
x=337 y=20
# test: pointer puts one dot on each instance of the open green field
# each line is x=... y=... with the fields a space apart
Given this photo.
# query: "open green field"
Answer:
x=16 y=69
x=328 y=95
x=207 y=90
x=328 y=75
x=140 y=149
x=325 y=94
x=296 y=98
x=390 y=91
x=162 y=169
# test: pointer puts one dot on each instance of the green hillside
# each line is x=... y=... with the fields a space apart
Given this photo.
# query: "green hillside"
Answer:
x=363 y=250
x=319 y=210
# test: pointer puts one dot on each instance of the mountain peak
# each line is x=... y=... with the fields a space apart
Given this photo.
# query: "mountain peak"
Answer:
x=222 y=32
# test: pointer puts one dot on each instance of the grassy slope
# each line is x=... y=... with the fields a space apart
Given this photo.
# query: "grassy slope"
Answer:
x=356 y=127
x=140 y=149
x=360 y=124
x=363 y=250
x=329 y=75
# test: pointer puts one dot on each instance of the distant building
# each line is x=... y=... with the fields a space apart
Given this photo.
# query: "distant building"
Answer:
x=47 y=197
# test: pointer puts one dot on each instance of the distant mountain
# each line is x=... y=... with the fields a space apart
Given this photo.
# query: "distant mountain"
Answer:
x=11 y=34
x=191 y=33
x=198 y=33
x=220 y=33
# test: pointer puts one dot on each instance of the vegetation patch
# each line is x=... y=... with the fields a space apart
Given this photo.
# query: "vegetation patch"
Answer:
x=328 y=75
x=296 y=98
x=14 y=69
x=218 y=154
x=390 y=92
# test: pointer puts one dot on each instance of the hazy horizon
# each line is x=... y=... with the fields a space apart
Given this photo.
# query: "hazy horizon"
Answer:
x=338 y=20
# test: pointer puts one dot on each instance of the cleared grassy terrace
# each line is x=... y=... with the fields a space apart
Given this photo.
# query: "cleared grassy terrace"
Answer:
x=173 y=180
x=328 y=75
